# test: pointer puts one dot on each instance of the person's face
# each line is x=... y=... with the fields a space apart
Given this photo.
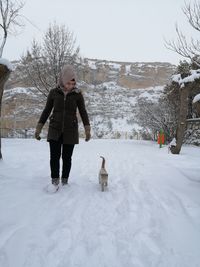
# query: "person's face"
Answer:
x=69 y=85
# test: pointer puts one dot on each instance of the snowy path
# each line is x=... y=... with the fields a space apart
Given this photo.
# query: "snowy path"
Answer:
x=148 y=217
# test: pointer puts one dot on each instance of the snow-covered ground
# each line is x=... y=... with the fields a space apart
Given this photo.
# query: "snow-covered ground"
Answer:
x=148 y=217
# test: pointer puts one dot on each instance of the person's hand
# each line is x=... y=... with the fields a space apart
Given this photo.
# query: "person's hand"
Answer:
x=38 y=130
x=87 y=132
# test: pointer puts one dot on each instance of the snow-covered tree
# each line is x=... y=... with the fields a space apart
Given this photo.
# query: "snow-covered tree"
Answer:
x=175 y=105
x=186 y=81
x=189 y=86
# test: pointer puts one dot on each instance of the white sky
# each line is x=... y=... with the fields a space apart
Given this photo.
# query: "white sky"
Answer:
x=121 y=30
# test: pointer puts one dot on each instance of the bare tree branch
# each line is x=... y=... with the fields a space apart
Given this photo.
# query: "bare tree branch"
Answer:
x=10 y=19
x=42 y=64
x=188 y=49
x=192 y=12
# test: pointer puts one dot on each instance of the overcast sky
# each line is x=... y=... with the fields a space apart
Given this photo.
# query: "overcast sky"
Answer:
x=120 y=30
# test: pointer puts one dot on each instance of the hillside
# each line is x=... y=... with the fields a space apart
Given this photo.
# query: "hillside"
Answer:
x=111 y=91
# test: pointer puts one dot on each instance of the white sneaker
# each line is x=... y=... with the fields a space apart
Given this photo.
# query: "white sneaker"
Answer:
x=52 y=188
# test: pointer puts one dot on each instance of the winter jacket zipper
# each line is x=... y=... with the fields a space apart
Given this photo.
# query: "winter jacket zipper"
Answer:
x=63 y=113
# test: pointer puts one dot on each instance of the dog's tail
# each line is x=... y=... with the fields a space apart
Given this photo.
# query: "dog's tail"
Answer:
x=103 y=162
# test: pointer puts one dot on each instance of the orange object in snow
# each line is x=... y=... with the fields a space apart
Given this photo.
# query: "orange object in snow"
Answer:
x=161 y=138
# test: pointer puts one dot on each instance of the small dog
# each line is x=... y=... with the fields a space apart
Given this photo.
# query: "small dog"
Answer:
x=103 y=175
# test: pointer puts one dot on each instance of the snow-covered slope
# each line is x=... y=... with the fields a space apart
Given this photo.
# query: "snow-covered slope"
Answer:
x=111 y=108
x=111 y=89
x=149 y=216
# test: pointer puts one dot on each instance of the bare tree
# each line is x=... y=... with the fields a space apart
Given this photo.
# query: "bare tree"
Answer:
x=188 y=49
x=10 y=19
x=153 y=116
x=42 y=64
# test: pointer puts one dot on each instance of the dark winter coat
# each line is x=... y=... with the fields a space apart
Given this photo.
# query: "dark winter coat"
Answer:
x=63 y=118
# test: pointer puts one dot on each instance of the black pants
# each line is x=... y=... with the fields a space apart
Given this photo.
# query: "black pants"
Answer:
x=55 y=153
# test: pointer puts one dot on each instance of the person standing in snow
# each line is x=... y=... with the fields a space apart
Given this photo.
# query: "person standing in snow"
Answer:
x=63 y=125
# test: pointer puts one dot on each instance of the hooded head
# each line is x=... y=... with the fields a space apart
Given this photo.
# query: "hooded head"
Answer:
x=66 y=75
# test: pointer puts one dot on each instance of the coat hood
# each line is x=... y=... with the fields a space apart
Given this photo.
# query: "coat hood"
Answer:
x=67 y=74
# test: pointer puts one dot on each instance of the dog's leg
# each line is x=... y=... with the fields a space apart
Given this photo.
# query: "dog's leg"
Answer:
x=102 y=186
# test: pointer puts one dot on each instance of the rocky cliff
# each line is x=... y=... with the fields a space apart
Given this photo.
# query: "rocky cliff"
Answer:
x=111 y=91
